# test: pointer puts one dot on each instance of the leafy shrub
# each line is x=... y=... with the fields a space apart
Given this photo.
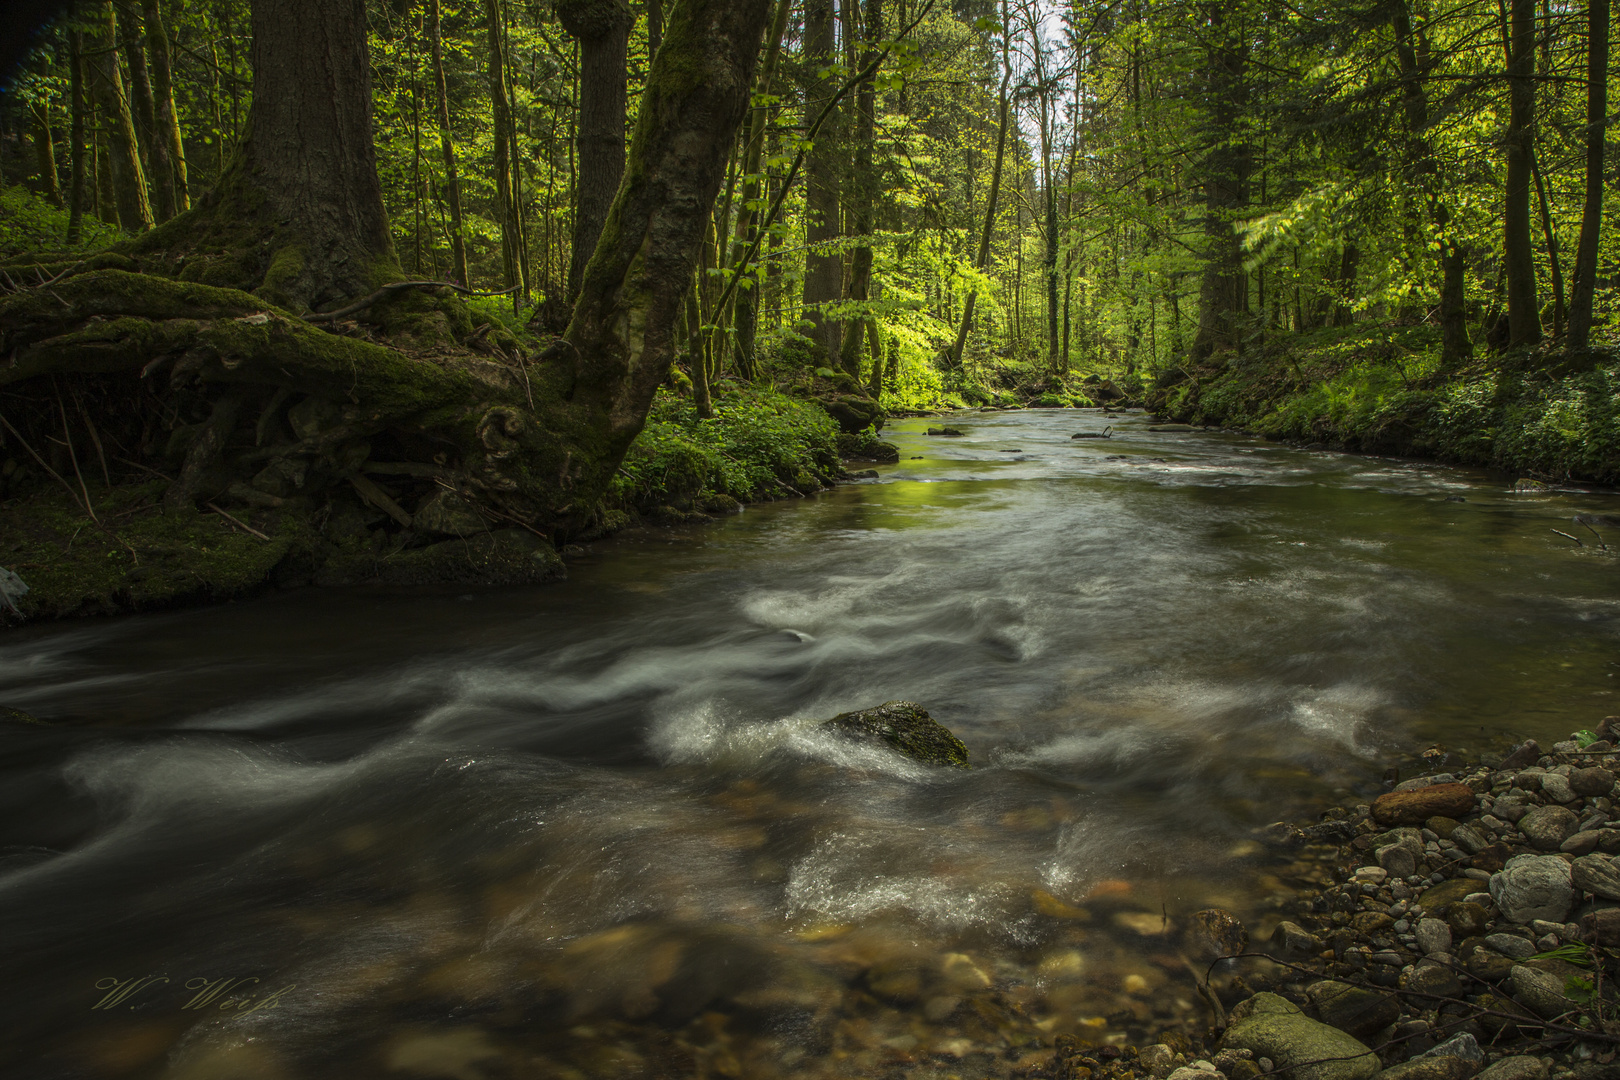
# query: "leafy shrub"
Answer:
x=759 y=445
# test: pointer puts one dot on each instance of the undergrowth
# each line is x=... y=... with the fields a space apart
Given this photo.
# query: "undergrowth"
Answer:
x=1383 y=390
x=760 y=444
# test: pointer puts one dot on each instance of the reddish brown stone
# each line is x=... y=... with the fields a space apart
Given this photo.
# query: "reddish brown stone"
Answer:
x=1601 y=927
x=1416 y=807
x=1491 y=858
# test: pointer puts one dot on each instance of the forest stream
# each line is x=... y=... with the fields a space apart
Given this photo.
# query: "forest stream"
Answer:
x=593 y=828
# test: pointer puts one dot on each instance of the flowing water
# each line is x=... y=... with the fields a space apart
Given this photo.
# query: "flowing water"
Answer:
x=592 y=829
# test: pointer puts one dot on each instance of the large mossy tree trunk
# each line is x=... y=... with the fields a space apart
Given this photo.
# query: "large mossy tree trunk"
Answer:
x=298 y=217
x=201 y=345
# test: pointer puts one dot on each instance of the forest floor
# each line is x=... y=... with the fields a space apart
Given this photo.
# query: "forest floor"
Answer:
x=1382 y=390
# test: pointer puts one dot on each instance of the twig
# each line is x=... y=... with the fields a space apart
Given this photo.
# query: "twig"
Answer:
x=367 y=301
x=50 y=471
x=106 y=474
x=1566 y=536
x=236 y=521
x=73 y=455
x=71 y=493
x=145 y=468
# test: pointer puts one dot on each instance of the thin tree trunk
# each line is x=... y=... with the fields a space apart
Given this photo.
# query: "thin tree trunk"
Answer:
x=458 y=246
x=1222 y=294
x=863 y=185
x=745 y=310
x=45 y=155
x=655 y=29
x=501 y=116
x=1519 y=261
x=128 y=179
x=1597 y=105
x=983 y=260
x=154 y=143
x=824 y=270
x=167 y=116
x=1554 y=263
x=76 y=107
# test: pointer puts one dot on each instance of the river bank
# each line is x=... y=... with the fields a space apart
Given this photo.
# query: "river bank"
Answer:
x=1382 y=390
x=1467 y=925
x=133 y=554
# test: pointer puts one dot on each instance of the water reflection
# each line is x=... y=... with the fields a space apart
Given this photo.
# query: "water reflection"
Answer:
x=593 y=829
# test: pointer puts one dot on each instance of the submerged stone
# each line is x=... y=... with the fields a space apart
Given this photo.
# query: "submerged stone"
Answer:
x=907 y=727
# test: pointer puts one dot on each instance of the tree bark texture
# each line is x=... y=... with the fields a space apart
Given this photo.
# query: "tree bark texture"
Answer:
x=1519 y=261
x=602 y=28
x=1597 y=106
x=824 y=270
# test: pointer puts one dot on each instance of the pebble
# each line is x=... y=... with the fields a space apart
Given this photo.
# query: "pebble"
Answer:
x=1510 y=945
x=1433 y=936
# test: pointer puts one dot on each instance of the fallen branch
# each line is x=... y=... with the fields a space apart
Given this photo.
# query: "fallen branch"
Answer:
x=393 y=287
x=236 y=521
x=1566 y=536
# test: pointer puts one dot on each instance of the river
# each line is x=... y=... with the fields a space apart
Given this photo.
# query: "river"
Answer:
x=592 y=829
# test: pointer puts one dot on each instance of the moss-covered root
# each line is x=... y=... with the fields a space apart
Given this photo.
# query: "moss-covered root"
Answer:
x=906 y=727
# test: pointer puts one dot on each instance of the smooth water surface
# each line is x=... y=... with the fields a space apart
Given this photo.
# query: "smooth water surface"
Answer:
x=592 y=829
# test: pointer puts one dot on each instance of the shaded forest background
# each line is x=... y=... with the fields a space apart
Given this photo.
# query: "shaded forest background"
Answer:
x=1117 y=190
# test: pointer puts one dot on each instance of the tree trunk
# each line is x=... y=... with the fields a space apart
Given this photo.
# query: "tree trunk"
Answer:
x=1222 y=294
x=1554 y=264
x=447 y=146
x=1454 y=344
x=1519 y=261
x=863 y=187
x=501 y=116
x=621 y=337
x=76 y=107
x=745 y=309
x=982 y=262
x=823 y=270
x=602 y=28
x=167 y=116
x=1597 y=105
x=154 y=144
x=128 y=179
x=45 y=155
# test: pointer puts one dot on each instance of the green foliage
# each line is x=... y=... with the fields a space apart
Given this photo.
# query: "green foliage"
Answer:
x=29 y=223
x=758 y=445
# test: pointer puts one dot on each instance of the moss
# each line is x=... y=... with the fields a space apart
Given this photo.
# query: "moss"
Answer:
x=1382 y=390
x=281 y=277
x=505 y=557
x=906 y=727
x=74 y=568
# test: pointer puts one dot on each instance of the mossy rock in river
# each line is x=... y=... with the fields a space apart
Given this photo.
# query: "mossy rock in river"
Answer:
x=907 y=727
